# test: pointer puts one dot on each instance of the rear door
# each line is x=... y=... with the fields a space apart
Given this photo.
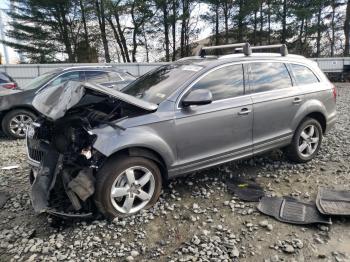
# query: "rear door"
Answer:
x=218 y=131
x=276 y=101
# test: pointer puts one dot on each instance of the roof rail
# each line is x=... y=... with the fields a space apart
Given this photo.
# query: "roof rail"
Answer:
x=86 y=66
x=245 y=47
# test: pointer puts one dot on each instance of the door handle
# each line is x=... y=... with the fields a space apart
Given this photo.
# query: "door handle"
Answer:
x=297 y=100
x=244 y=111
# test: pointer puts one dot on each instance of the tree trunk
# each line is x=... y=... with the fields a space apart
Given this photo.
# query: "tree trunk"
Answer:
x=333 y=28
x=255 y=26
x=240 y=21
x=305 y=36
x=166 y=30
x=284 y=22
x=134 y=45
x=347 y=29
x=261 y=23
x=63 y=24
x=122 y=37
x=301 y=36
x=226 y=20
x=102 y=23
x=269 y=21
x=117 y=37
x=183 y=39
x=318 y=38
x=217 y=36
x=83 y=19
x=174 y=28
x=134 y=33
x=146 y=44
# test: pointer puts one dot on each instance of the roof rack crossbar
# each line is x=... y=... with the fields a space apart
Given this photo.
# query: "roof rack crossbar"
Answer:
x=245 y=47
x=201 y=51
x=283 y=48
x=223 y=46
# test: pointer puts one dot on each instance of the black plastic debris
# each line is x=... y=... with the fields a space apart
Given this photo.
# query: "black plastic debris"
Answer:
x=333 y=201
x=3 y=198
x=291 y=210
x=245 y=190
x=67 y=215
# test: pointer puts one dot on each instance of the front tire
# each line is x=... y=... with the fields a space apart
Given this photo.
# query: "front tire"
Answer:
x=14 y=123
x=306 y=141
x=126 y=185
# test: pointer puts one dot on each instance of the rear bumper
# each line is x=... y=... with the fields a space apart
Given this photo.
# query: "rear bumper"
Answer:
x=331 y=123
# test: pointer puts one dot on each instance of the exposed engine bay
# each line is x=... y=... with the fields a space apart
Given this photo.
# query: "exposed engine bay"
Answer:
x=60 y=149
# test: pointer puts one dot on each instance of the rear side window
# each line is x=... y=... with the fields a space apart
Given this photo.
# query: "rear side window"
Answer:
x=70 y=76
x=303 y=75
x=114 y=77
x=97 y=76
x=267 y=76
x=225 y=82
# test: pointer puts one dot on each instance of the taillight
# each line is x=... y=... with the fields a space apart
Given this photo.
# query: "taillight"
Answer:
x=9 y=85
x=334 y=89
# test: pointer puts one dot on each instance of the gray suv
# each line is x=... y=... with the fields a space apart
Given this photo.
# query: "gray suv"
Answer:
x=114 y=153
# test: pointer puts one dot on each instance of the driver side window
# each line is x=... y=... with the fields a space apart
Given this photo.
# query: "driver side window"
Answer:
x=225 y=82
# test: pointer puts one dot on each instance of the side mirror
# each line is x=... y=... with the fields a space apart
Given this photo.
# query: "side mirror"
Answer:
x=198 y=97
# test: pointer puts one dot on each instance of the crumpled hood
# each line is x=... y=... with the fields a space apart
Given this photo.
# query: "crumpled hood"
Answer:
x=54 y=102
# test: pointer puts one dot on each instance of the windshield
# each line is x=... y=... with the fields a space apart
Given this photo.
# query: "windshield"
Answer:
x=157 y=85
x=40 y=80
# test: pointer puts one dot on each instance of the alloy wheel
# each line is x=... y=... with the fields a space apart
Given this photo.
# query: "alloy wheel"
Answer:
x=19 y=123
x=132 y=189
x=308 y=140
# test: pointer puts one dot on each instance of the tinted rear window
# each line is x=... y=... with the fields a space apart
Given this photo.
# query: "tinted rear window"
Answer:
x=266 y=76
x=303 y=75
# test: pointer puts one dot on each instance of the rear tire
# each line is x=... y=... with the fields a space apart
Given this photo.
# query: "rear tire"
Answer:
x=14 y=124
x=306 y=141
x=126 y=185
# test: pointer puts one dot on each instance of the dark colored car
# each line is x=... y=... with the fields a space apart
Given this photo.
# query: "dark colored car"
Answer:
x=6 y=82
x=16 y=110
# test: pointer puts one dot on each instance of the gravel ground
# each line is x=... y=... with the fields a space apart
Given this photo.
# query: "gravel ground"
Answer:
x=196 y=218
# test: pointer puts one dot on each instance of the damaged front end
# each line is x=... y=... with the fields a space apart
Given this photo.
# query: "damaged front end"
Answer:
x=62 y=174
x=60 y=148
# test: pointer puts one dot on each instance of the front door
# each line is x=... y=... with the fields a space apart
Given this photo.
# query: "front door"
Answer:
x=220 y=131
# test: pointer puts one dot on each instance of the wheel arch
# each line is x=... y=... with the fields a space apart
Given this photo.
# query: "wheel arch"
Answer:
x=139 y=151
x=311 y=109
x=320 y=117
x=22 y=107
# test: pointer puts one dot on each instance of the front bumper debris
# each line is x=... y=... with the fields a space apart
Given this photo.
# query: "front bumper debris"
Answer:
x=60 y=190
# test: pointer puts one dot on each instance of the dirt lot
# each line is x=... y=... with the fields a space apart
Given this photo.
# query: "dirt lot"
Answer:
x=196 y=218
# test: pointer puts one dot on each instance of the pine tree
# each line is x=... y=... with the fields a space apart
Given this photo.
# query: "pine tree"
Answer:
x=40 y=29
